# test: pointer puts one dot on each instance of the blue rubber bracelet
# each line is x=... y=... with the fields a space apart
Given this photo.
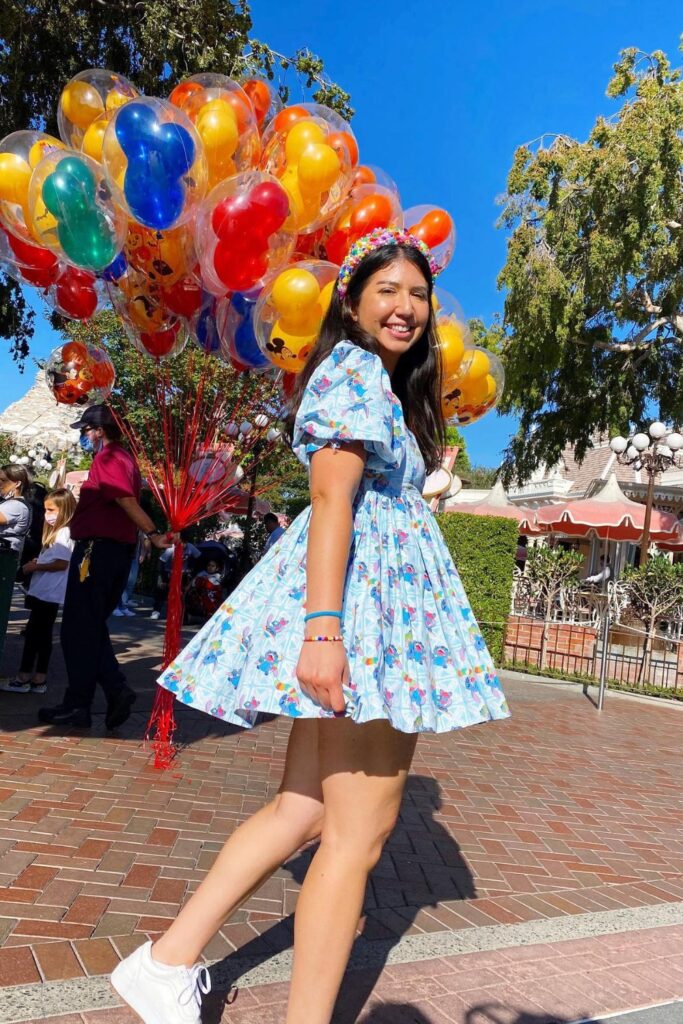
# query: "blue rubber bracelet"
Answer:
x=319 y=615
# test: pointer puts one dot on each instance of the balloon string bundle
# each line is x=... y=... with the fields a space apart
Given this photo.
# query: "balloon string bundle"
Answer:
x=192 y=460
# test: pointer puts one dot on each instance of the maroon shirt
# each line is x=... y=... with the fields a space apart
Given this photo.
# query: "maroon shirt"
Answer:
x=114 y=474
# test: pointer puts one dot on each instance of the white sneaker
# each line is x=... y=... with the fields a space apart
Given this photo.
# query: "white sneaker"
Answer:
x=129 y=613
x=118 y=613
x=155 y=615
x=160 y=994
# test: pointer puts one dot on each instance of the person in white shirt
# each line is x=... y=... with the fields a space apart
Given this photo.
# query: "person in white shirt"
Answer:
x=15 y=522
x=603 y=575
x=48 y=573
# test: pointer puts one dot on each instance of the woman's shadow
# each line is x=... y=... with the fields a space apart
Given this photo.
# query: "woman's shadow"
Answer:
x=421 y=866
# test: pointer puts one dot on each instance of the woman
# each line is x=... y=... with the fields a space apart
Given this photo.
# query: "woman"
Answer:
x=365 y=562
x=15 y=520
x=48 y=574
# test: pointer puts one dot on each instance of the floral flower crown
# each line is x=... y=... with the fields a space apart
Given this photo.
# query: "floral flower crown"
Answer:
x=374 y=240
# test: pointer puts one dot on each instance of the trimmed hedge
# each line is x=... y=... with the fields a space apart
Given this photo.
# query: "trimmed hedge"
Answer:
x=483 y=549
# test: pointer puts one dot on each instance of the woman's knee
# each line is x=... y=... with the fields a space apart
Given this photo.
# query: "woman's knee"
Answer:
x=303 y=813
x=360 y=842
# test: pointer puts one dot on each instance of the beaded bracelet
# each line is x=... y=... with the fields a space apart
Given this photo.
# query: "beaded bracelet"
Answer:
x=319 y=615
x=327 y=639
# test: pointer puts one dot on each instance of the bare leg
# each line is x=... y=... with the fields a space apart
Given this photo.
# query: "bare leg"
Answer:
x=252 y=852
x=363 y=769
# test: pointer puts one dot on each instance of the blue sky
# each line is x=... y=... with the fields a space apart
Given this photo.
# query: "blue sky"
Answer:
x=444 y=92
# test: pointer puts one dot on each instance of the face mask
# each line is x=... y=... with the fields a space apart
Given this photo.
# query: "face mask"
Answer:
x=86 y=444
x=50 y=518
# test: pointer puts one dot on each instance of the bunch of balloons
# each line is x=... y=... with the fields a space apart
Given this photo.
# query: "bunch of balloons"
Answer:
x=215 y=214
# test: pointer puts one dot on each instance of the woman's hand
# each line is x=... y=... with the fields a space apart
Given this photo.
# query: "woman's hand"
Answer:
x=31 y=566
x=322 y=669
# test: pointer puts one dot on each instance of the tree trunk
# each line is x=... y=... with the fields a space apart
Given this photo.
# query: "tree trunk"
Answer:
x=644 y=670
x=546 y=629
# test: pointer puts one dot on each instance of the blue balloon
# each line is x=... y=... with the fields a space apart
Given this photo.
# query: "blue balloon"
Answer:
x=159 y=154
x=245 y=344
x=116 y=268
x=206 y=331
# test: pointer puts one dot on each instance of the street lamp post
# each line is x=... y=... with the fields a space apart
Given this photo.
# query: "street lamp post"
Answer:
x=654 y=452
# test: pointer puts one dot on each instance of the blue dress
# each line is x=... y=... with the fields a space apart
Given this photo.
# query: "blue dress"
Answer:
x=416 y=655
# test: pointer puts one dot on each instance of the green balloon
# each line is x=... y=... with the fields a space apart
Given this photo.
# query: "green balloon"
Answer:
x=88 y=241
x=84 y=233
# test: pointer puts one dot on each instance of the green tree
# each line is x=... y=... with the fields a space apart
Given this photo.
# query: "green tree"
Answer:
x=594 y=271
x=44 y=43
x=653 y=591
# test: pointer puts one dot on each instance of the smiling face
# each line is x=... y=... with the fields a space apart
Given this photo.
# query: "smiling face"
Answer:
x=394 y=309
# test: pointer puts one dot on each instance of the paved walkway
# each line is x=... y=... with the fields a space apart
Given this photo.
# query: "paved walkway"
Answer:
x=536 y=874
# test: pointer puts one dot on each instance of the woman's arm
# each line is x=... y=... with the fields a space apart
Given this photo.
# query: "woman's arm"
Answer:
x=3 y=520
x=335 y=476
x=56 y=565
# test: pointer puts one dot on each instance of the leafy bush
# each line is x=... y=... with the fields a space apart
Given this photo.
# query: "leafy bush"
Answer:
x=483 y=549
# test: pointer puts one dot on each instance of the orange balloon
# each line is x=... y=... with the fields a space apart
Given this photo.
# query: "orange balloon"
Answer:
x=259 y=94
x=240 y=109
x=182 y=92
x=363 y=176
x=434 y=228
x=344 y=144
x=74 y=352
x=373 y=211
x=288 y=117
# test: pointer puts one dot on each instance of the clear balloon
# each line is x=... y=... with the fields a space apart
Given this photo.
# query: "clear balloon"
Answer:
x=434 y=226
x=164 y=343
x=153 y=154
x=240 y=232
x=183 y=298
x=452 y=332
x=225 y=120
x=79 y=373
x=76 y=294
x=367 y=208
x=290 y=310
x=86 y=97
x=140 y=302
x=163 y=256
x=73 y=212
x=370 y=174
x=475 y=389
x=20 y=154
x=312 y=151
x=27 y=263
x=203 y=325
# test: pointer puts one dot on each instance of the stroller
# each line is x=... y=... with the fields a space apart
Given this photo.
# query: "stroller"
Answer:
x=213 y=571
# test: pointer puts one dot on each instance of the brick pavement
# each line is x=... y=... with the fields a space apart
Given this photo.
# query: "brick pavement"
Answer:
x=554 y=815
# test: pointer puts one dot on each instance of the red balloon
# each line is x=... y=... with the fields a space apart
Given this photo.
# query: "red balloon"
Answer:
x=237 y=269
x=31 y=255
x=231 y=213
x=160 y=343
x=337 y=246
x=39 y=277
x=75 y=293
x=374 y=211
x=270 y=200
x=183 y=298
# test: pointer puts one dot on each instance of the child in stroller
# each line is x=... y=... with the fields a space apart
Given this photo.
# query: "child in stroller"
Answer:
x=206 y=590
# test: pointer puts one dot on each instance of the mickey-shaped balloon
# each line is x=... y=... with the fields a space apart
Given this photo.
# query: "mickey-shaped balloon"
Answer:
x=240 y=234
x=79 y=373
x=368 y=207
x=20 y=154
x=72 y=211
x=235 y=319
x=433 y=226
x=152 y=151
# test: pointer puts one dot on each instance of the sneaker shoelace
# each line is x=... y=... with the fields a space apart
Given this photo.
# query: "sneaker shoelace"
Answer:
x=198 y=981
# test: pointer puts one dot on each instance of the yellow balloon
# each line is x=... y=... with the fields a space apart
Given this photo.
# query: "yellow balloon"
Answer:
x=218 y=129
x=319 y=168
x=478 y=366
x=93 y=139
x=295 y=294
x=81 y=103
x=299 y=137
x=116 y=99
x=15 y=175
x=290 y=183
x=326 y=297
x=451 y=337
x=289 y=351
x=474 y=393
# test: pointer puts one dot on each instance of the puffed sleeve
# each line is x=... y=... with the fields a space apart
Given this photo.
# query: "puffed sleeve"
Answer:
x=348 y=399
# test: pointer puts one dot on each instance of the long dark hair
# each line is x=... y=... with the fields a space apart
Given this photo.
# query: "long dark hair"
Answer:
x=416 y=380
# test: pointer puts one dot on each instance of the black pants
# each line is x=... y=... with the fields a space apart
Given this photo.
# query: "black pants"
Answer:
x=38 y=638
x=87 y=648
